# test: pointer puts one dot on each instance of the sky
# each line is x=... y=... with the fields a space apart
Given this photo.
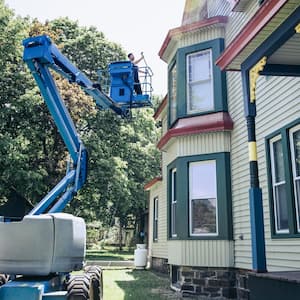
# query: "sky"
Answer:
x=137 y=25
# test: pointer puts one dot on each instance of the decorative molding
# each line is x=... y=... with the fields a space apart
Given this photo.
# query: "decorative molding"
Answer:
x=152 y=182
x=249 y=32
x=253 y=76
x=220 y=121
x=190 y=27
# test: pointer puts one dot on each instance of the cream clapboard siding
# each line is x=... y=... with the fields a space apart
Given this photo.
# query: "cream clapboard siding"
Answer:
x=193 y=38
x=210 y=253
x=239 y=173
x=201 y=252
x=159 y=247
x=197 y=144
x=237 y=20
x=278 y=104
x=218 y=8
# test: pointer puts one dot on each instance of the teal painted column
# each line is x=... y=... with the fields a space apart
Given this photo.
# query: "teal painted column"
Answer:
x=249 y=78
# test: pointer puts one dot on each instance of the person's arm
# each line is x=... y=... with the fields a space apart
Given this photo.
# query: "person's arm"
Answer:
x=138 y=60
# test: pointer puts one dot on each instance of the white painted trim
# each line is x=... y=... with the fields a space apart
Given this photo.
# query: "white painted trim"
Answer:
x=209 y=197
x=295 y=177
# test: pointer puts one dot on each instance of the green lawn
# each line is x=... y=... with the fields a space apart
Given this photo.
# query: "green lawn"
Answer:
x=110 y=253
x=124 y=284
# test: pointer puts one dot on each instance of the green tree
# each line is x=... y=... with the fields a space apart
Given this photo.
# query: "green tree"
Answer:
x=122 y=155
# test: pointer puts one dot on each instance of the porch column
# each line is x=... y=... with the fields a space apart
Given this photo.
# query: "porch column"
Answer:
x=249 y=77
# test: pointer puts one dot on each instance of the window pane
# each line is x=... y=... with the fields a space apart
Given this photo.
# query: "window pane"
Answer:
x=281 y=208
x=295 y=149
x=199 y=82
x=203 y=180
x=278 y=161
x=200 y=96
x=204 y=216
x=173 y=94
x=173 y=202
x=173 y=220
x=296 y=144
x=297 y=190
x=199 y=66
x=203 y=197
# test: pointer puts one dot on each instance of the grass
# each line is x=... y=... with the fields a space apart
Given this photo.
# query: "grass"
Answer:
x=125 y=284
x=109 y=253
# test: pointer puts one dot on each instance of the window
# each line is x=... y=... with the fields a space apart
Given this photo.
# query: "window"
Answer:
x=173 y=94
x=173 y=203
x=155 y=219
x=203 y=198
x=279 y=186
x=199 y=197
x=283 y=156
x=196 y=86
x=199 y=82
x=295 y=155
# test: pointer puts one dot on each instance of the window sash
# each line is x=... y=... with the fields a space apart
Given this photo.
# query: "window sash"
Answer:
x=200 y=96
x=173 y=94
x=173 y=203
x=295 y=156
x=155 y=221
x=278 y=185
x=203 y=195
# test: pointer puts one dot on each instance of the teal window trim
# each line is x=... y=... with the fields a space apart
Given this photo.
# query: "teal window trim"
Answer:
x=224 y=206
x=288 y=172
x=219 y=78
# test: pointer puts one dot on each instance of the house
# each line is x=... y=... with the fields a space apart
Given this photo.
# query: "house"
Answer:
x=224 y=217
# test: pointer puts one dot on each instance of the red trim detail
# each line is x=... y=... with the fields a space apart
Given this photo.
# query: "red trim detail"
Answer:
x=152 y=182
x=207 y=123
x=161 y=107
x=251 y=29
x=188 y=28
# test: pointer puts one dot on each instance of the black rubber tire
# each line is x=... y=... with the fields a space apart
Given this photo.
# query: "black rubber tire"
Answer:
x=78 y=287
x=96 y=282
x=3 y=279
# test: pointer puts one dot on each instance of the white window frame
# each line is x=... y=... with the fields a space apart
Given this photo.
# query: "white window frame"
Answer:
x=295 y=177
x=190 y=202
x=173 y=202
x=188 y=83
x=274 y=183
x=155 y=218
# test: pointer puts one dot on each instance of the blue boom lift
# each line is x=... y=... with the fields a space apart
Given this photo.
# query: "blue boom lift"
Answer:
x=39 y=251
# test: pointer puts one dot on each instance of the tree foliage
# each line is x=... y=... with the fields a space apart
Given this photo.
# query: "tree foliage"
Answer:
x=122 y=155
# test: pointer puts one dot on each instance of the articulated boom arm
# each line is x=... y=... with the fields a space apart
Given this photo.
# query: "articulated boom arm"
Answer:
x=41 y=55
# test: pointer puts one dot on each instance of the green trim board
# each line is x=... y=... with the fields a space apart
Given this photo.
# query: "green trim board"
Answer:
x=224 y=201
x=219 y=78
x=288 y=173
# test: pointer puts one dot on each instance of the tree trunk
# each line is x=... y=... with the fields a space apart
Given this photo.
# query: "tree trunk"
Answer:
x=120 y=237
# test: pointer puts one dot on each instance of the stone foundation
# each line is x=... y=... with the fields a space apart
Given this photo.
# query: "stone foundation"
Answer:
x=242 y=286
x=160 y=265
x=210 y=283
